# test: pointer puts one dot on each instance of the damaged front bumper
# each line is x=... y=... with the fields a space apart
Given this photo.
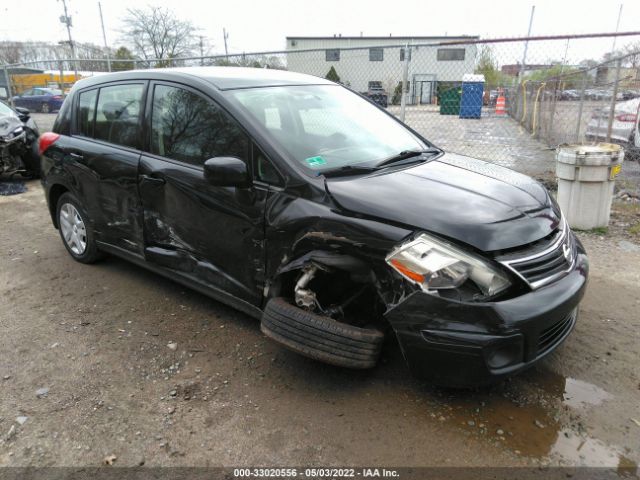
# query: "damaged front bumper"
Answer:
x=472 y=344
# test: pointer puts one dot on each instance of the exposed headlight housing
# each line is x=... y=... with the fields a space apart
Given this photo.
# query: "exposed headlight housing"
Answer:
x=434 y=264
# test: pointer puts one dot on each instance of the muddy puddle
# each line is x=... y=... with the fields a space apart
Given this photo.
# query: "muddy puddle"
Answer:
x=542 y=422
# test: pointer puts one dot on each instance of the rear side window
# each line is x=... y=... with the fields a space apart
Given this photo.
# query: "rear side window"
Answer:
x=190 y=128
x=87 y=112
x=118 y=114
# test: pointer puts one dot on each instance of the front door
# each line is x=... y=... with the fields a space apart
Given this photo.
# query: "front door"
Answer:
x=212 y=234
x=425 y=93
x=25 y=100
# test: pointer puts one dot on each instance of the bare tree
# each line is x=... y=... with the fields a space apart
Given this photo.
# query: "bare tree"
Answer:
x=11 y=52
x=156 y=33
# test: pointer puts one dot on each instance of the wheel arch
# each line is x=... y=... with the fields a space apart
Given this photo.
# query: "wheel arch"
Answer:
x=55 y=192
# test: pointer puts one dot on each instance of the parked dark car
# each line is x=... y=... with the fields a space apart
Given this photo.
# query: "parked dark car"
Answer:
x=43 y=100
x=378 y=95
x=18 y=142
x=297 y=201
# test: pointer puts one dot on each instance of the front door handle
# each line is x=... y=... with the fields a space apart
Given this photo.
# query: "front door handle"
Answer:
x=77 y=157
x=154 y=180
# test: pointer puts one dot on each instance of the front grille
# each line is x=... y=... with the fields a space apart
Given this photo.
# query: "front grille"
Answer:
x=546 y=261
x=550 y=336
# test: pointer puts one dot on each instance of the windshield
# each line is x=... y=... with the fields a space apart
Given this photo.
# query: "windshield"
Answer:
x=324 y=127
x=5 y=110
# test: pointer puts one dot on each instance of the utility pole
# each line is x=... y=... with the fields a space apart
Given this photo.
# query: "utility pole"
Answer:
x=225 y=35
x=201 y=51
x=524 y=60
x=66 y=19
x=613 y=47
x=405 y=77
x=526 y=43
x=104 y=38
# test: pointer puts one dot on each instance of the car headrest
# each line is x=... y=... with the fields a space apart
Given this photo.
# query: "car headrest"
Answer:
x=115 y=111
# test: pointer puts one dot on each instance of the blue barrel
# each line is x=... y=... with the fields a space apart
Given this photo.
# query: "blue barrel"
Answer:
x=472 y=92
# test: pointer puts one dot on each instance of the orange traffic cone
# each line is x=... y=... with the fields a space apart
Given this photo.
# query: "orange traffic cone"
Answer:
x=501 y=105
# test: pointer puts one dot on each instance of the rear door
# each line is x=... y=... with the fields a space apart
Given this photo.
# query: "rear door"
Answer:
x=104 y=152
x=211 y=233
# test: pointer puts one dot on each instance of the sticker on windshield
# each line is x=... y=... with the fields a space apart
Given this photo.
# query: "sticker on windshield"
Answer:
x=315 y=162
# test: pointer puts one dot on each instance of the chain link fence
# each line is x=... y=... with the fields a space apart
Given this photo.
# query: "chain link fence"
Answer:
x=509 y=101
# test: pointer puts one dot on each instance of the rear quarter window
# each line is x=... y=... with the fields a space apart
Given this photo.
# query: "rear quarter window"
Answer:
x=87 y=112
x=62 y=123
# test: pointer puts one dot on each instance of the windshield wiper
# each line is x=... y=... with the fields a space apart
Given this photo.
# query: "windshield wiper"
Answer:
x=347 y=170
x=406 y=154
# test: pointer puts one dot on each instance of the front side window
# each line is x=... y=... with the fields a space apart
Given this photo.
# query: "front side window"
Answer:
x=190 y=128
x=332 y=55
x=376 y=54
x=323 y=127
x=264 y=169
x=118 y=114
x=87 y=112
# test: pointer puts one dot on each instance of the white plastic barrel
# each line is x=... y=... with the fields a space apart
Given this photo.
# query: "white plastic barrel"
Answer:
x=586 y=176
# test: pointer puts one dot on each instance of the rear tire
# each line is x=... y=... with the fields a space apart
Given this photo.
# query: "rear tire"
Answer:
x=44 y=108
x=75 y=230
x=319 y=337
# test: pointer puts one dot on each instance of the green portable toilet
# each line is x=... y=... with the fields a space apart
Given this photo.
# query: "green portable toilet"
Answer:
x=450 y=101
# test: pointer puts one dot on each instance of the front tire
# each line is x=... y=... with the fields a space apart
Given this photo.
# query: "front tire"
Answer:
x=75 y=230
x=319 y=337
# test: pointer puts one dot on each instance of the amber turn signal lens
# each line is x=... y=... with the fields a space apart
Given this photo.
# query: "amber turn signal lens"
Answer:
x=406 y=272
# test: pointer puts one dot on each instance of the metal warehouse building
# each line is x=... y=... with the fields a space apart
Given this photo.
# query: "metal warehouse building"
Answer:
x=363 y=63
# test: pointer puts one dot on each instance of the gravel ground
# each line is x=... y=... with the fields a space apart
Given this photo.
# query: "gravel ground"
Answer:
x=110 y=359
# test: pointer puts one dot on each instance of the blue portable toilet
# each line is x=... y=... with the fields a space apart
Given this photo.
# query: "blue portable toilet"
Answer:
x=472 y=91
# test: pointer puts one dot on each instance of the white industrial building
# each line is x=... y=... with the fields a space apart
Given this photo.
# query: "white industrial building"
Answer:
x=363 y=63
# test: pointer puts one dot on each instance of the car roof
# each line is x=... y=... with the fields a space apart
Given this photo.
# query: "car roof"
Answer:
x=223 y=78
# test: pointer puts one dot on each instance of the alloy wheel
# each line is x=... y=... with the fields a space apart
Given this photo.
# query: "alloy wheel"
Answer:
x=73 y=229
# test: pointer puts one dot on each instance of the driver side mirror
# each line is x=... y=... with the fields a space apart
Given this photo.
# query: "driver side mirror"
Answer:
x=226 y=172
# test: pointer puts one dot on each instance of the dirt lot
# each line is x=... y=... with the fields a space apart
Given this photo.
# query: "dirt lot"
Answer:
x=112 y=360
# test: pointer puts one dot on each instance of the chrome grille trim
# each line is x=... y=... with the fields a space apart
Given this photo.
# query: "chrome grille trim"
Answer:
x=559 y=264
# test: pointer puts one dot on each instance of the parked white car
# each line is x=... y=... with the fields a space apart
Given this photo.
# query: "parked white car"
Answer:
x=624 y=129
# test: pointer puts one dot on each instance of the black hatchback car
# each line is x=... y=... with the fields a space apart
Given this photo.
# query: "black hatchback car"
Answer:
x=311 y=208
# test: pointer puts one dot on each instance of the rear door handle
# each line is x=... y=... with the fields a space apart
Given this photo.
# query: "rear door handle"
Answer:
x=77 y=157
x=154 y=180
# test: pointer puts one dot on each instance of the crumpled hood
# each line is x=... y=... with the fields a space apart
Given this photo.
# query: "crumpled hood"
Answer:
x=8 y=123
x=472 y=201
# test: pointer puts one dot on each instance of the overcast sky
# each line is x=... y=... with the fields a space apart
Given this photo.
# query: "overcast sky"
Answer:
x=263 y=24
